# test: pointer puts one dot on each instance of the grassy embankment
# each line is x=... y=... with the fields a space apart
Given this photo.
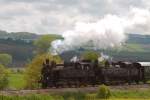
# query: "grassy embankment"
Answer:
x=116 y=95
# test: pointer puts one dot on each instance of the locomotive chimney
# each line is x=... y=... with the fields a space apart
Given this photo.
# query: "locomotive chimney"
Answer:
x=47 y=61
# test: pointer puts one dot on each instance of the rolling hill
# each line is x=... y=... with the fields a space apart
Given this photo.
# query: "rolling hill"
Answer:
x=20 y=46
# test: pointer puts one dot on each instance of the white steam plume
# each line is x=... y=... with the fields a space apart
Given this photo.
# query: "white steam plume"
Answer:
x=108 y=32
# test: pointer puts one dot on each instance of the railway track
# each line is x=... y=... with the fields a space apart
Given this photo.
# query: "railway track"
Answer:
x=81 y=89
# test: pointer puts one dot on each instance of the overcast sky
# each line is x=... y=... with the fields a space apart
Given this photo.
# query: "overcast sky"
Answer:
x=57 y=16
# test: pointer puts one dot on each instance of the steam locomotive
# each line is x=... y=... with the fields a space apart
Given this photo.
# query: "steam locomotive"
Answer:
x=86 y=72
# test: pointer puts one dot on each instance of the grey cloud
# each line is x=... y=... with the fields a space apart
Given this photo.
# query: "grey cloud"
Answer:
x=46 y=16
x=24 y=1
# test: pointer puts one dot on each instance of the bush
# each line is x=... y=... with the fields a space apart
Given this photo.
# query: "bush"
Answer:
x=3 y=77
x=5 y=59
x=103 y=92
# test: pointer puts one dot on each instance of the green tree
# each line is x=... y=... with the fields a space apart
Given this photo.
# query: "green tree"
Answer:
x=5 y=59
x=3 y=77
x=43 y=43
x=33 y=69
x=90 y=55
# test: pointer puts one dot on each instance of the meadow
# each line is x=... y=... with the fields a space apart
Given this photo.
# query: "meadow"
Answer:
x=16 y=81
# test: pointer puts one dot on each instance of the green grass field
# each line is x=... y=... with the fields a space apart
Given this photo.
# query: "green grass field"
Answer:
x=29 y=97
x=134 y=94
x=16 y=81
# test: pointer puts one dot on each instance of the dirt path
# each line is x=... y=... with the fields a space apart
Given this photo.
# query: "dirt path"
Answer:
x=83 y=89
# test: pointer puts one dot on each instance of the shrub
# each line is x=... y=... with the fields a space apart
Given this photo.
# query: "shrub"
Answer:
x=103 y=92
x=3 y=77
x=5 y=59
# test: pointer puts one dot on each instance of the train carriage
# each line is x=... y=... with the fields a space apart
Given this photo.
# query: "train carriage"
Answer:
x=145 y=70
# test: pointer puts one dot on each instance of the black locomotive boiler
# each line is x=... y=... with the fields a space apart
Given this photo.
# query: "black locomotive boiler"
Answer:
x=86 y=72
